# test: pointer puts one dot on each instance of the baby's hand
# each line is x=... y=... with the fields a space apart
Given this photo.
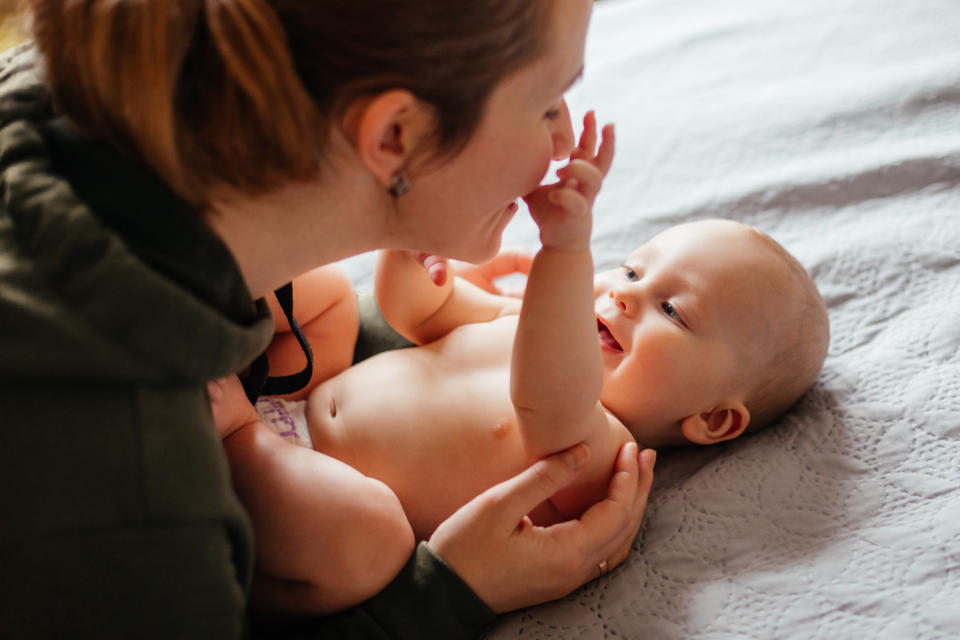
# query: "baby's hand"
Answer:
x=564 y=211
x=437 y=268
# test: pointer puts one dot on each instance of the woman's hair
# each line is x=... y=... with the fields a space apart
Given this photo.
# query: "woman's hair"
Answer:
x=244 y=92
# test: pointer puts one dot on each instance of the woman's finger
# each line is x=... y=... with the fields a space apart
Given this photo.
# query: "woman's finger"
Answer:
x=518 y=496
x=629 y=492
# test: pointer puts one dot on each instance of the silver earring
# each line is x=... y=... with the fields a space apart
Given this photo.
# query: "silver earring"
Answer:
x=400 y=185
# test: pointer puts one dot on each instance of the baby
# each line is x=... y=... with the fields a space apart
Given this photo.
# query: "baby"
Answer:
x=708 y=329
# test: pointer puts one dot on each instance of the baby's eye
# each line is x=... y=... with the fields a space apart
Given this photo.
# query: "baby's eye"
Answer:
x=629 y=273
x=552 y=114
x=671 y=312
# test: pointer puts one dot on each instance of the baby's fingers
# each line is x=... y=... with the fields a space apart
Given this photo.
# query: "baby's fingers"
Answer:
x=569 y=197
x=604 y=158
x=583 y=176
x=588 y=139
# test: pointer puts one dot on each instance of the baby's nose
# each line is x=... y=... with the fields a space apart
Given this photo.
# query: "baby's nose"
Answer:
x=623 y=301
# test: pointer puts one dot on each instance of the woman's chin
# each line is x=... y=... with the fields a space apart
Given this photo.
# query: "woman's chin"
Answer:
x=478 y=255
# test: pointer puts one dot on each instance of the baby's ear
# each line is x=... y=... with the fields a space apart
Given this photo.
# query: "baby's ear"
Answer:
x=723 y=422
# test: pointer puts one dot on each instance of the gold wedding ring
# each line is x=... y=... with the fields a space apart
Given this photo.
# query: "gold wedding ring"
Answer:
x=603 y=568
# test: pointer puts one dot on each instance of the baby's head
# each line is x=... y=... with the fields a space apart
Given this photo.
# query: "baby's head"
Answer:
x=707 y=329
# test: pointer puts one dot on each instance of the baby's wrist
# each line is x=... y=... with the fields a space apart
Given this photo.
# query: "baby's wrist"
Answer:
x=566 y=245
x=568 y=250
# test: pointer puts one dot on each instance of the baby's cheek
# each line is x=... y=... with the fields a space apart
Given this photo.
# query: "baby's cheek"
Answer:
x=602 y=283
x=654 y=367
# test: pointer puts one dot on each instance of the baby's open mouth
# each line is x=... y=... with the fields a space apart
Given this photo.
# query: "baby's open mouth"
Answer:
x=606 y=338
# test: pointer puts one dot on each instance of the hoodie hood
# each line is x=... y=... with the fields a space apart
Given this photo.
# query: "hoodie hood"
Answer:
x=106 y=275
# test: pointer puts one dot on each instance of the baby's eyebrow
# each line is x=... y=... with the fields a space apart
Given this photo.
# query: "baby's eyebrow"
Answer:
x=642 y=254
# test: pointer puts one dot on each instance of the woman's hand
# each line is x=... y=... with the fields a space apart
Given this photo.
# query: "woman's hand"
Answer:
x=510 y=563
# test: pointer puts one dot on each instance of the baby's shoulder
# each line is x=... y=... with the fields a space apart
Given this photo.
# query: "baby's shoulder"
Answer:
x=616 y=434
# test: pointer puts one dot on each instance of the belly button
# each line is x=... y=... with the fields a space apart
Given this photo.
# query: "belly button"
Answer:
x=502 y=429
x=333 y=408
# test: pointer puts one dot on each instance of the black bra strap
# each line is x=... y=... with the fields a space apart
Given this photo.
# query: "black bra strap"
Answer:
x=258 y=382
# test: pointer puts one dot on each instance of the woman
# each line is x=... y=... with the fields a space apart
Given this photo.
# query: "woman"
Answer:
x=166 y=164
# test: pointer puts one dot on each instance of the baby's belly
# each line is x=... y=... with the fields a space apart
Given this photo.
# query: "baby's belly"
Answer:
x=436 y=435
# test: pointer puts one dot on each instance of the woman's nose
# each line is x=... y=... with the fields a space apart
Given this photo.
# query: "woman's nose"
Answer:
x=624 y=301
x=563 y=141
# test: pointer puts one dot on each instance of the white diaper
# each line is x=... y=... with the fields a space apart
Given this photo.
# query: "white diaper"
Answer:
x=286 y=418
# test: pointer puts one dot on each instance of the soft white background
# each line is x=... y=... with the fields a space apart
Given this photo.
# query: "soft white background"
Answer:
x=834 y=125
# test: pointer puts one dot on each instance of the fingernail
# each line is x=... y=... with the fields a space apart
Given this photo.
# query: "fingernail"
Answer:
x=651 y=457
x=576 y=456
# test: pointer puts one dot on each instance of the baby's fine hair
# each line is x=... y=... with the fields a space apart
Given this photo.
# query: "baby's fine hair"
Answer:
x=796 y=349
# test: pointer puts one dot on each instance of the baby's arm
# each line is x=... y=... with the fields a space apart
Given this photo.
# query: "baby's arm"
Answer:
x=556 y=371
x=423 y=307
x=325 y=307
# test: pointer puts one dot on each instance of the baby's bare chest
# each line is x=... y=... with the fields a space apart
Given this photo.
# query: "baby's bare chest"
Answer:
x=453 y=395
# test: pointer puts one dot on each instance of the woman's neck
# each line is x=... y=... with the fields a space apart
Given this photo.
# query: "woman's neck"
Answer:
x=277 y=236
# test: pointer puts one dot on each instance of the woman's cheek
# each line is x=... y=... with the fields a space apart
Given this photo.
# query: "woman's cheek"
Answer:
x=539 y=164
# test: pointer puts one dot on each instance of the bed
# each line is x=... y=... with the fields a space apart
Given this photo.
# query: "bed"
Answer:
x=834 y=125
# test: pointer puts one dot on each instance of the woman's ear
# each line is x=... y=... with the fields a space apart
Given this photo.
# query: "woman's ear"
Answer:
x=386 y=129
x=724 y=422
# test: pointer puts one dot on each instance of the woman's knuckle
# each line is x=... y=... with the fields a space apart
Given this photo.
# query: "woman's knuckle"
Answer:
x=571 y=565
x=492 y=499
x=543 y=476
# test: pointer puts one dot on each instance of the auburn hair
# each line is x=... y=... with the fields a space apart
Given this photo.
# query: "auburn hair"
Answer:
x=244 y=92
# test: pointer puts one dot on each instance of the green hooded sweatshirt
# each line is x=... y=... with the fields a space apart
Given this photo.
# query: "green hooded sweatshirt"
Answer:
x=117 y=516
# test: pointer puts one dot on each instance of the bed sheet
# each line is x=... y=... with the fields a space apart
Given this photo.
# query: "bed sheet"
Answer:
x=834 y=125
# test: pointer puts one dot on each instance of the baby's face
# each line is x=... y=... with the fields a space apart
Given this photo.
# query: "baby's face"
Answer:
x=678 y=323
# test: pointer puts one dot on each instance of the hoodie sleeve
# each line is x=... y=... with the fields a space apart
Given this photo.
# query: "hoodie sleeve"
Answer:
x=426 y=600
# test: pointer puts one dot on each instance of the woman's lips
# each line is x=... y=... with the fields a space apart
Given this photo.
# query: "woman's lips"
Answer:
x=607 y=341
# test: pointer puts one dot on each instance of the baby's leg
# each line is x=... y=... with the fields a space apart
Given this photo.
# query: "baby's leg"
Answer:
x=326 y=536
x=325 y=307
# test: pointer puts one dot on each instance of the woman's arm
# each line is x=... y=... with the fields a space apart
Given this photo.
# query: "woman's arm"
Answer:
x=488 y=558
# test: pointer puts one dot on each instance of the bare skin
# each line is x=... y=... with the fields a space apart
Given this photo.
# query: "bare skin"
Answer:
x=465 y=426
x=441 y=422
x=495 y=384
x=279 y=490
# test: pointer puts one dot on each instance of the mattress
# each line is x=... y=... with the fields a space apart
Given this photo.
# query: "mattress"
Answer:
x=833 y=125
